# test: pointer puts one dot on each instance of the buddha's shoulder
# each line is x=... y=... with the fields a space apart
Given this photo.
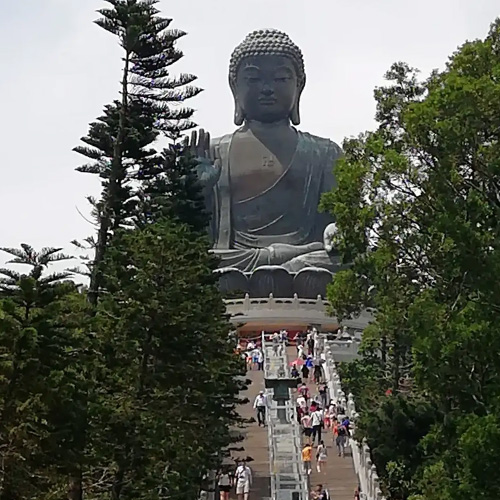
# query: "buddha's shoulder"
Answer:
x=223 y=139
x=306 y=140
x=321 y=143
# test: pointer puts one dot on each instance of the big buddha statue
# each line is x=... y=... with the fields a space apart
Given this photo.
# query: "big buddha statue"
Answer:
x=263 y=182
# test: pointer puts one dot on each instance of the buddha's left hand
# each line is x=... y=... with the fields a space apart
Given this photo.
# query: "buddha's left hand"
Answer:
x=329 y=237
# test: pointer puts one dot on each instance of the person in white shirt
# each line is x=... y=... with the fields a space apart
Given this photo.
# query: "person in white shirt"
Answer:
x=302 y=402
x=224 y=484
x=276 y=343
x=260 y=405
x=243 y=479
x=260 y=360
x=306 y=426
x=317 y=422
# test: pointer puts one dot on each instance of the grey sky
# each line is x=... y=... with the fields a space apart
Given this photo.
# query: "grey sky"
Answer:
x=59 y=69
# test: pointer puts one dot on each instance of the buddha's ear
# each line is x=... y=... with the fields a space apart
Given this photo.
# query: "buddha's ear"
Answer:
x=239 y=115
x=295 y=114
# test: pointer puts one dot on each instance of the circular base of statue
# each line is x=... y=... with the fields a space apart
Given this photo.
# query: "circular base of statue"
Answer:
x=232 y=282
x=308 y=283
x=275 y=280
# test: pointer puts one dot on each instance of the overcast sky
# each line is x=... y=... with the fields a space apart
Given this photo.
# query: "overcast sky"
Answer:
x=58 y=69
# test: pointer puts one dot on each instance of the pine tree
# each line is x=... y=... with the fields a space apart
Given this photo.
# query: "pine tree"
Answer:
x=43 y=381
x=171 y=188
x=169 y=385
x=119 y=142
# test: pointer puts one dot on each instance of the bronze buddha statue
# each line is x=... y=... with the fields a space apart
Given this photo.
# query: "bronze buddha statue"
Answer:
x=264 y=181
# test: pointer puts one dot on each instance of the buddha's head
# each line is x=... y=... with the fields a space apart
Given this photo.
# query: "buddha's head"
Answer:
x=267 y=77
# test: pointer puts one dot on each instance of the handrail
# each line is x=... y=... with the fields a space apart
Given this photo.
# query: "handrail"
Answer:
x=288 y=478
x=361 y=455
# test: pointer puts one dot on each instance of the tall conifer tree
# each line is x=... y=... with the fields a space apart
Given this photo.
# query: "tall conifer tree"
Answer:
x=119 y=143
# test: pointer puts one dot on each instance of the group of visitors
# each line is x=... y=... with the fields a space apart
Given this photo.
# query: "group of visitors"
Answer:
x=241 y=480
x=317 y=416
x=252 y=354
x=279 y=341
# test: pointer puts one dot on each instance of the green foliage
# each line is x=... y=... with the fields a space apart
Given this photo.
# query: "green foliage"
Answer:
x=417 y=208
x=168 y=371
x=170 y=189
x=43 y=358
x=394 y=431
x=120 y=144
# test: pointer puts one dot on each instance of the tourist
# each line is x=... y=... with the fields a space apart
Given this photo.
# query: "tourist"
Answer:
x=305 y=372
x=300 y=351
x=347 y=424
x=321 y=456
x=225 y=483
x=318 y=371
x=314 y=406
x=318 y=493
x=255 y=358
x=298 y=344
x=283 y=337
x=306 y=457
x=330 y=414
x=302 y=402
x=260 y=360
x=260 y=405
x=306 y=423
x=317 y=424
x=323 y=394
x=335 y=430
x=309 y=363
x=249 y=360
x=341 y=440
x=304 y=391
x=310 y=344
x=295 y=373
x=243 y=480
x=276 y=343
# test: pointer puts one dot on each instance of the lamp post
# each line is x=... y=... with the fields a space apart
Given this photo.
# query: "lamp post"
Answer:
x=281 y=392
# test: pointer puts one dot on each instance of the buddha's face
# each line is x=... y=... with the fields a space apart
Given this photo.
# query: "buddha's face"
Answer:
x=267 y=88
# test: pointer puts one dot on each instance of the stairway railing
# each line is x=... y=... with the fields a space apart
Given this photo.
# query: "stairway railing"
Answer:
x=288 y=479
x=365 y=469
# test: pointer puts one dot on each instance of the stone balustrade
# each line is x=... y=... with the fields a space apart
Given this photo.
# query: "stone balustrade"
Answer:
x=365 y=469
x=270 y=302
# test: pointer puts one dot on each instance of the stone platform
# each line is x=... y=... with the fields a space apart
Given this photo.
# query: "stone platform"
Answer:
x=270 y=313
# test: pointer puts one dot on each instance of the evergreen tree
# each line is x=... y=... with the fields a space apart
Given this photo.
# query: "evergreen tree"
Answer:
x=43 y=358
x=120 y=140
x=169 y=387
x=171 y=188
x=417 y=206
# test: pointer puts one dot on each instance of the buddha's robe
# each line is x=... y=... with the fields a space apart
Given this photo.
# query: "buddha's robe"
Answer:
x=282 y=225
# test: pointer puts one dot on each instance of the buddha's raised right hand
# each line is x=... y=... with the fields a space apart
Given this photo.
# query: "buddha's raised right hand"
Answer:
x=209 y=162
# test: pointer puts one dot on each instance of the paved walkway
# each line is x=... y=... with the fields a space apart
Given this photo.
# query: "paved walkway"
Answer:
x=255 y=442
x=338 y=477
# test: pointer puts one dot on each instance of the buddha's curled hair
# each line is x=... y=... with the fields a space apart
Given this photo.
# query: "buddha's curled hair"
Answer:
x=267 y=42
